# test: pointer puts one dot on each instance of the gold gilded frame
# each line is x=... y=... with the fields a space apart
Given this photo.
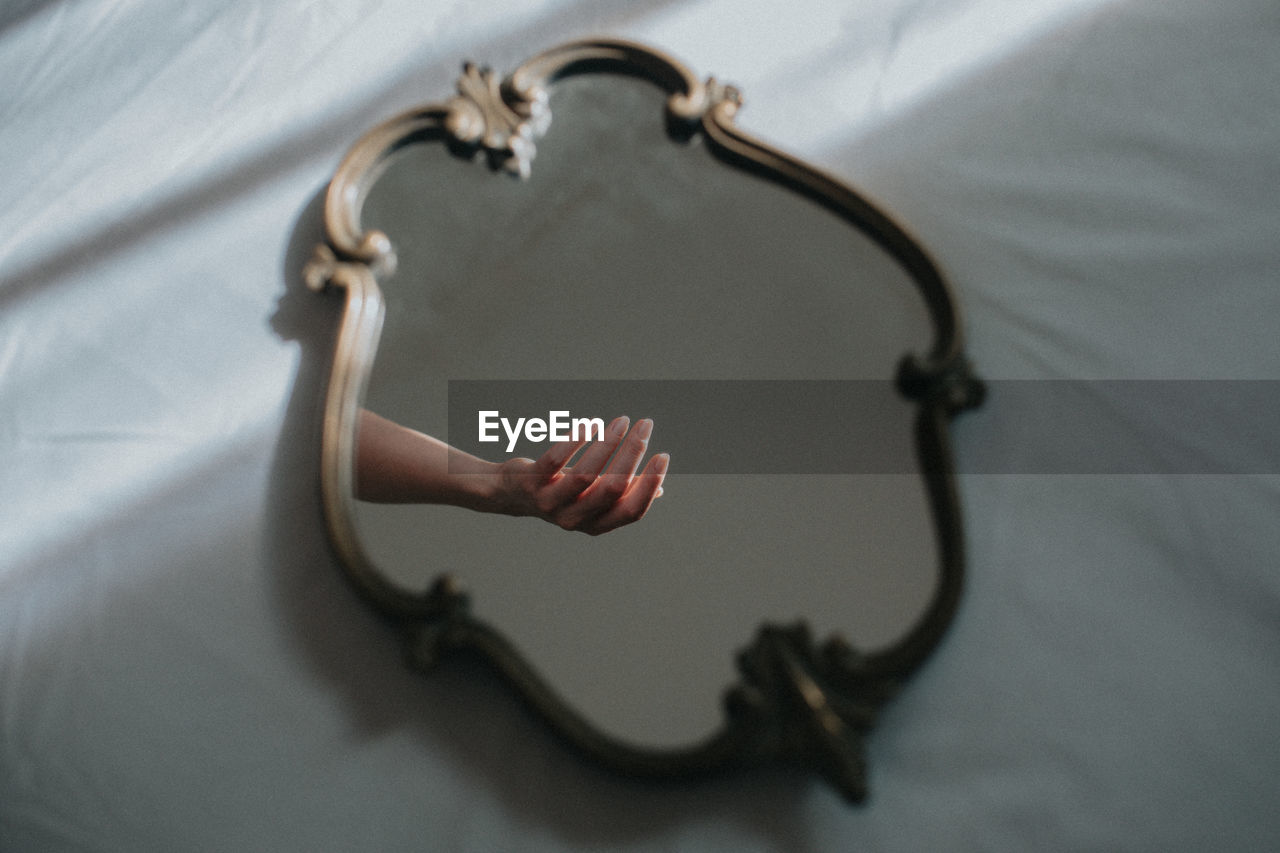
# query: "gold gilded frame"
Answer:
x=796 y=701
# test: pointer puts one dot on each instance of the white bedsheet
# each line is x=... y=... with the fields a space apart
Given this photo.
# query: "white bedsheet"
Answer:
x=181 y=664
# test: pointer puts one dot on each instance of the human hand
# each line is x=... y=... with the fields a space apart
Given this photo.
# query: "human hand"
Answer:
x=586 y=497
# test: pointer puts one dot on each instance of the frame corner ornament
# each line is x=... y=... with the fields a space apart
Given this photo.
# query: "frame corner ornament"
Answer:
x=951 y=383
x=481 y=115
x=808 y=704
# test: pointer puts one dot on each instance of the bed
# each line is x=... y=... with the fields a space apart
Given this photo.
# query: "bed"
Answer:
x=181 y=663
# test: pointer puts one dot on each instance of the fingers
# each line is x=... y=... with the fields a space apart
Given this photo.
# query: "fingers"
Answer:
x=588 y=468
x=586 y=497
x=601 y=491
x=608 y=488
x=627 y=459
x=637 y=499
x=557 y=456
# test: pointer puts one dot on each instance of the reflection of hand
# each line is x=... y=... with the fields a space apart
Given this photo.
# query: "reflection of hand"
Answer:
x=589 y=497
x=399 y=465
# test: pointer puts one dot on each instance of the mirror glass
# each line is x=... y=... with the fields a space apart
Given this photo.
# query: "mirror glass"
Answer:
x=626 y=256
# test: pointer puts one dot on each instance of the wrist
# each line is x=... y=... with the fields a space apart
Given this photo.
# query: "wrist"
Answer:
x=477 y=484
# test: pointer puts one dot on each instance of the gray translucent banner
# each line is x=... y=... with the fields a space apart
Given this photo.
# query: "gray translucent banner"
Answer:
x=867 y=427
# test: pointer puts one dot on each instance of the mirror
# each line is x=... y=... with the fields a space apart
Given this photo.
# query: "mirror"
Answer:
x=798 y=353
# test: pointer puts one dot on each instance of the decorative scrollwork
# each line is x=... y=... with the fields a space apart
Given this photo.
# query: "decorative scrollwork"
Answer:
x=326 y=267
x=434 y=635
x=801 y=703
x=952 y=383
x=479 y=115
x=724 y=95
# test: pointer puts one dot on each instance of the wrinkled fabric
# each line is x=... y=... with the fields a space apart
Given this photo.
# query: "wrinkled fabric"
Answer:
x=181 y=663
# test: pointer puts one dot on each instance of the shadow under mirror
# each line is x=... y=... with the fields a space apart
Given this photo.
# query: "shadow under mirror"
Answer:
x=640 y=268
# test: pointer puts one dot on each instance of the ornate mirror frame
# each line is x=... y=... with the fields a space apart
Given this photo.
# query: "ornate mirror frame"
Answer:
x=796 y=701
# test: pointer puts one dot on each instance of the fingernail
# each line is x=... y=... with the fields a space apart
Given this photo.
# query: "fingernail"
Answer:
x=619 y=426
x=663 y=460
x=643 y=429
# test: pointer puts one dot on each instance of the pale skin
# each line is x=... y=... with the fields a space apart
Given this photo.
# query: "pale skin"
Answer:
x=395 y=464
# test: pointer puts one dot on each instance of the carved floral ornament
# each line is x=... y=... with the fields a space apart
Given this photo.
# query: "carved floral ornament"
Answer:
x=796 y=700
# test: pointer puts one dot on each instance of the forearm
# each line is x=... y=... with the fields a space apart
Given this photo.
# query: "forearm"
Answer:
x=395 y=464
